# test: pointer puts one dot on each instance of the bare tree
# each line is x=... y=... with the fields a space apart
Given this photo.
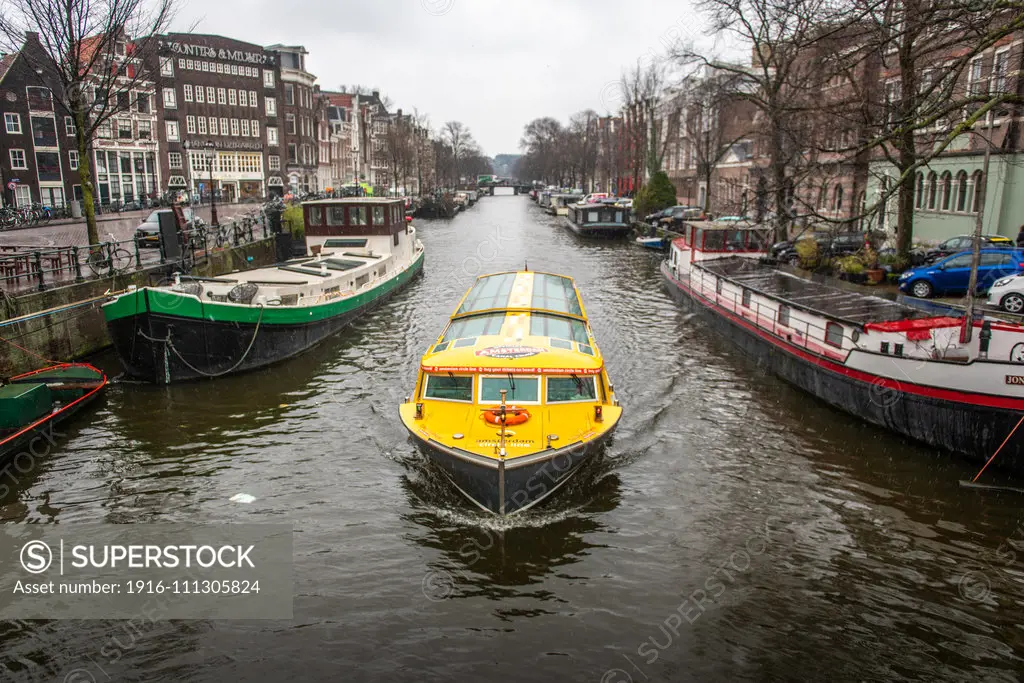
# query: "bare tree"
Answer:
x=103 y=56
x=460 y=141
x=642 y=90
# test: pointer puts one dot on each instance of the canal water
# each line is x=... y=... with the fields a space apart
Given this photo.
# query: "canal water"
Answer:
x=734 y=530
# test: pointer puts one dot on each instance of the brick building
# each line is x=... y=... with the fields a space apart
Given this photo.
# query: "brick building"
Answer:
x=225 y=92
x=300 y=111
x=38 y=155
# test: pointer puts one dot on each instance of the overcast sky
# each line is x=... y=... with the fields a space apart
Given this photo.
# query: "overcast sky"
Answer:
x=494 y=65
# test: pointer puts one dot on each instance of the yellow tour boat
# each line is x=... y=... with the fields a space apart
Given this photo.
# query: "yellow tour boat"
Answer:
x=513 y=397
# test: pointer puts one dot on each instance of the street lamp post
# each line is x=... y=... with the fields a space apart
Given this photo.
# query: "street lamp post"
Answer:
x=211 y=154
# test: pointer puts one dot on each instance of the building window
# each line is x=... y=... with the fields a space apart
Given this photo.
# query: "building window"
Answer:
x=188 y=64
x=932 y=190
x=73 y=160
x=170 y=101
x=211 y=94
x=166 y=66
x=69 y=125
x=22 y=196
x=145 y=130
x=39 y=98
x=271 y=105
x=48 y=166
x=234 y=127
x=204 y=66
x=190 y=125
x=224 y=126
x=271 y=135
x=172 y=131
x=975 y=85
x=947 y=190
x=999 y=68
x=174 y=159
x=268 y=79
x=961 y=191
x=232 y=97
x=979 y=183
x=234 y=69
x=202 y=125
x=289 y=93
x=222 y=96
x=18 y=159
x=243 y=98
x=213 y=126
x=837 y=198
x=142 y=103
x=13 y=123
x=245 y=128
x=834 y=334
x=252 y=98
x=200 y=97
x=255 y=128
x=104 y=130
x=289 y=124
x=220 y=67
x=293 y=156
x=919 y=191
x=274 y=162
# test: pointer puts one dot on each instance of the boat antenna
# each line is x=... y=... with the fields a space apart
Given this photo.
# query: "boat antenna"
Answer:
x=526 y=266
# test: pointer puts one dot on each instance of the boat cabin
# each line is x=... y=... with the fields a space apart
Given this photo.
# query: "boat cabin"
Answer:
x=703 y=240
x=598 y=214
x=376 y=224
x=560 y=203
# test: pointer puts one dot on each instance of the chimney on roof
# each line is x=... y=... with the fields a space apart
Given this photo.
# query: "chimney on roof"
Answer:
x=31 y=36
x=399 y=113
x=376 y=93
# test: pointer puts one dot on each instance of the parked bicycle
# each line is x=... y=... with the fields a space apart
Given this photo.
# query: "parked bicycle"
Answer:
x=107 y=258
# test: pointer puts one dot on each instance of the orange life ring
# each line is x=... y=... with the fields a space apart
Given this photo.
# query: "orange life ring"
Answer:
x=513 y=416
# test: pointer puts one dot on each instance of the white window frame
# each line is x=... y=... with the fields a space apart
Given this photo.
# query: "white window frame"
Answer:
x=268 y=78
x=479 y=388
x=253 y=101
x=214 y=126
x=234 y=128
x=224 y=125
x=190 y=125
x=73 y=159
x=232 y=97
x=245 y=128
x=171 y=156
x=15 y=119
x=274 y=162
x=272 y=138
x=173 y=133
x=222 y=96
x=243 y=97
x=166 y=66
x=170 y=98
x=270 y=105
x=211 y=95
x=18 y=166
x=255 y=128
x=69 y=125
x=202 y=125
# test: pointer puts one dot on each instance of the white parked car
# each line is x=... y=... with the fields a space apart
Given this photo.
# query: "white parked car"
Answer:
x=1008 y=294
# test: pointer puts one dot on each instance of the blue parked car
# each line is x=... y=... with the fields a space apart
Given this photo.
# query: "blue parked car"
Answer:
x=952 y=274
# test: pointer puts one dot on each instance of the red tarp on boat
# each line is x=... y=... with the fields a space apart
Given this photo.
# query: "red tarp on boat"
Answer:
x=916 y=329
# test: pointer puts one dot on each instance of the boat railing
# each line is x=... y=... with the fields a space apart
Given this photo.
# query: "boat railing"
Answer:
x=766 y=317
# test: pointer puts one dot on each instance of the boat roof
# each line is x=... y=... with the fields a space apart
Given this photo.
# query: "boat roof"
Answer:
x=517 y=322
x=356 y=200
x=828 y=300
x=742 y=224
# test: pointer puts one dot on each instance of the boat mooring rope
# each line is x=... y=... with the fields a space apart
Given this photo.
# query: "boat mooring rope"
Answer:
x=1014 y=431
x=170 y=344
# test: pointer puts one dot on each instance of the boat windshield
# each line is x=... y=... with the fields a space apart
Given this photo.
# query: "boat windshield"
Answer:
x=555 y=293
x=475 y=326
x=574 y=388
x=543 y=325
x=449 y=387
x=517 y=389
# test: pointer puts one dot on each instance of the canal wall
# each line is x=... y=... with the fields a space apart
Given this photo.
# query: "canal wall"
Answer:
x=66 y=323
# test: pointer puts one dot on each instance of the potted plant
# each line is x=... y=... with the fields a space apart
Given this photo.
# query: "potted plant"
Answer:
x=869 y=257
x=851 y=268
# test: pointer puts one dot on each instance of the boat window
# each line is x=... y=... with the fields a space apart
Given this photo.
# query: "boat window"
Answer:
x=757 y=241
x=746 y=298
x=584 y=348
x=336 y=215
x=719 y=285
x=438 y=348
x=462 y=343
x=542 y=325
x=476 y=326
x=449 y=388
x=734 y=240
x=714 y=240
x=555 y=293
x=784 y=315
x=315 y=215
x=378 y=215
x=560 y=344
x=564 y=389
x=618 y=216
x=362 y=280
x=336 y=243
x=357 y=215
x=834 y=334
x=519 y=389
x=592 y=216
x=488 y=292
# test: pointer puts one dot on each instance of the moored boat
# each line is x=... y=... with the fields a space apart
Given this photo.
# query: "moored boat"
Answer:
x=33 y=403
x=924 y=376
x=654 y=242
x=560 y=203
x=602 y=219
x=513 y=397
x=361 y=251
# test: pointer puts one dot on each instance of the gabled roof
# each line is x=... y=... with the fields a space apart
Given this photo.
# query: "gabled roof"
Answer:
x=6 y=62
x=339 y=99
